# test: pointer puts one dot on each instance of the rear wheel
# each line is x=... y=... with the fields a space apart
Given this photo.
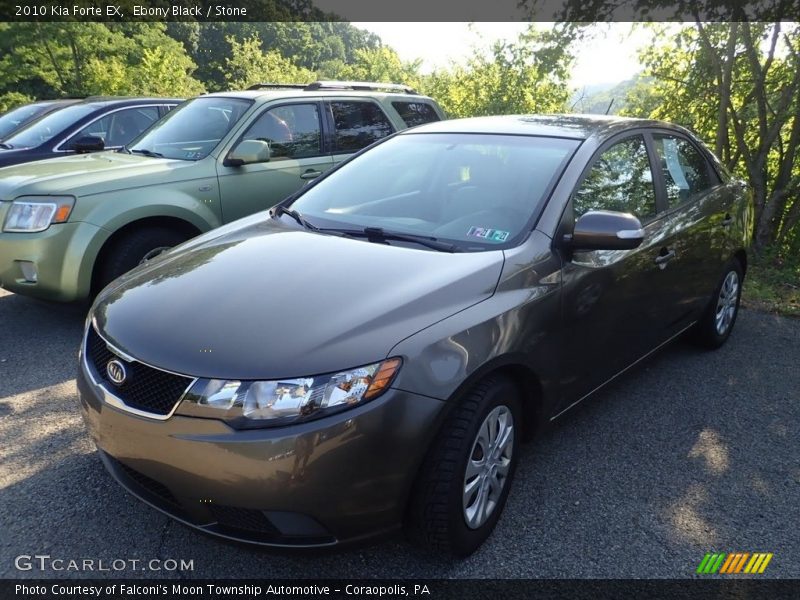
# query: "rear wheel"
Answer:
x=134 y=248
x=716 y=325
x=464 y=482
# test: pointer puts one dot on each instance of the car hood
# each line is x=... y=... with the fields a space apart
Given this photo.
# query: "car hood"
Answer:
x=271 y=301
x=87 y=174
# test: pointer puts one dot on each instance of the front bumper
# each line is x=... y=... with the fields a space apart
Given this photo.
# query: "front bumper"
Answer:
x=337 y=479
x=61 y=255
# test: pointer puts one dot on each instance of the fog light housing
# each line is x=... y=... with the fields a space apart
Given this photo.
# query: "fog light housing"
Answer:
x=29 y=271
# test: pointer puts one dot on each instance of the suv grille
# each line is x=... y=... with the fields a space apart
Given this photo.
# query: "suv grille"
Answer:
x=146 y=388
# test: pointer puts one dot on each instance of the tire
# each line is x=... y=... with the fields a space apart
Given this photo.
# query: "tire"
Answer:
x=441 y=516
x=134 y=248
x=717 y=322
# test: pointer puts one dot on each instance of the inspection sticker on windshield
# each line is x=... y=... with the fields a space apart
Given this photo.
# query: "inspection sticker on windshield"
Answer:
x=493 y=235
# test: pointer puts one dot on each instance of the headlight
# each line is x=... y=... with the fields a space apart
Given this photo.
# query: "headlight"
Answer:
x=36 y=213
x=249 y=404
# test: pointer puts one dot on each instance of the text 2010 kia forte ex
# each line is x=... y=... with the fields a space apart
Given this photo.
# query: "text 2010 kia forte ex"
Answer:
x=370 y=353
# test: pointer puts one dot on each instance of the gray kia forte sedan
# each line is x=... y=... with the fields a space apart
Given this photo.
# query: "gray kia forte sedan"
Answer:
x=369 y=354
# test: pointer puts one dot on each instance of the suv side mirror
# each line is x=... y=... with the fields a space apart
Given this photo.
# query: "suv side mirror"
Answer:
x=88 y=143
x=248 y=152
x=606 y=230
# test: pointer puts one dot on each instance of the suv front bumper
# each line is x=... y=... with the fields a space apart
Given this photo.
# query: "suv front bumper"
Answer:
x=60 y=256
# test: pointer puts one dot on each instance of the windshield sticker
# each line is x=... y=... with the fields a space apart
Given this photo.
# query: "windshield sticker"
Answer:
x=493 y=235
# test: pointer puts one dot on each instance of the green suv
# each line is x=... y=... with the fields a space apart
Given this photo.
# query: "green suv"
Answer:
x=71 y=225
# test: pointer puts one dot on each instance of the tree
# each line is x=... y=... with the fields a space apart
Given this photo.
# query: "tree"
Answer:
x=738 y=86
x=80 y=59
x=525 y=76
x=249 y=64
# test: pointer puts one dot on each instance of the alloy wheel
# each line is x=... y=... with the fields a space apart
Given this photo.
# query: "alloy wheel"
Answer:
x=488 y=465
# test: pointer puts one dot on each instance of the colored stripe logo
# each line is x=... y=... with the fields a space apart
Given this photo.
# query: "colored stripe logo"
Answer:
x=734 y=563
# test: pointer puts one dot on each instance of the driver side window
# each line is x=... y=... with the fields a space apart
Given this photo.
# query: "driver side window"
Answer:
x=292 y=131
x=620 y=180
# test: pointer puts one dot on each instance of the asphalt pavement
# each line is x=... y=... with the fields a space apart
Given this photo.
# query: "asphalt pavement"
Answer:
x=690 y=453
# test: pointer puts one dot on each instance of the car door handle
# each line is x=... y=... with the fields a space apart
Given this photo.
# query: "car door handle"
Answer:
x=310 y=174
x=727 y=221
x=663 y=259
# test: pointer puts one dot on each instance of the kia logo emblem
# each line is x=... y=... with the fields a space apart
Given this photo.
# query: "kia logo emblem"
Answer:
x=116 y=372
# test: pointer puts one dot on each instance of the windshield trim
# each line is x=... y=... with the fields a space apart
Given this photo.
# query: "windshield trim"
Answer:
x=463 y=246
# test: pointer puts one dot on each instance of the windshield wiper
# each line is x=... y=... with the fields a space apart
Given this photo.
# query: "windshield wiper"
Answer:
x=378 y=234
x=282 y=210
x=147 y=152
x=6 y=146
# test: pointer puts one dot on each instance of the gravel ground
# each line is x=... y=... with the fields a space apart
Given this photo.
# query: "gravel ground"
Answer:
x=690 y=453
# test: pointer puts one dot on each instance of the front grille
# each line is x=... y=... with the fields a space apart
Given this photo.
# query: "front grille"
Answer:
x=242 y=519
x=145 y=388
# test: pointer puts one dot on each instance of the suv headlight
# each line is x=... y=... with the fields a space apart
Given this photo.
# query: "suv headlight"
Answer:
x=30 y=214
x=251 y=404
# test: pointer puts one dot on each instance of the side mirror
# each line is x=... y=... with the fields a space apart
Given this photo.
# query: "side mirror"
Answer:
x=606 y=230
x=248 y=152
x=88 y=143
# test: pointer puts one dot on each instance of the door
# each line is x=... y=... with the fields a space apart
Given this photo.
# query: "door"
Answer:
x=696 y=218
x=294 y=134
x=613 y=301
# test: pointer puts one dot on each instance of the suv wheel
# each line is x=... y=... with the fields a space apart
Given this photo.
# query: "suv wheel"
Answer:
x=717 y=323
x=135 y=248
x=465 y=479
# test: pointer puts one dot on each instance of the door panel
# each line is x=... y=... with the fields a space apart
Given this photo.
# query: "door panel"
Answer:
x=693 y=225
x=293 y=132
x=613 y=300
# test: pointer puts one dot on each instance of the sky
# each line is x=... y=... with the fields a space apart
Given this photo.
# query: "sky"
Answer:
x=609 y=58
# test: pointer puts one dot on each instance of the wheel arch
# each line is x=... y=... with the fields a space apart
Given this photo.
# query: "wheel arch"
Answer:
x=180 y=224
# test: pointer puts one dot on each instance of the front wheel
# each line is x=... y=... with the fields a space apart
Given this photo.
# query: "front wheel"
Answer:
x=135 y=248
x=716 y=325
x=464 y=482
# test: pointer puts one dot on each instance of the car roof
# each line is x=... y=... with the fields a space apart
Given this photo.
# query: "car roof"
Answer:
x=579 y=127
x=104 y=101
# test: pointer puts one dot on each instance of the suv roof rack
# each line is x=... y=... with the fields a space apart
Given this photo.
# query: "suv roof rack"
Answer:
x=336 y=85
x=277 y=86
x=360 y=85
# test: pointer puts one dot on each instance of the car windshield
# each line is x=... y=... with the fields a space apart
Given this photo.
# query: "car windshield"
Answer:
x=193 y=130
x=14 y=118
x=472 y=190
x=49 y=126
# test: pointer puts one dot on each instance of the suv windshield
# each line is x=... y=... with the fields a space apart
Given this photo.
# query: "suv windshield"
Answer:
x=193 y=130
x=48 y=127
x=14 y=118
x=472 y=190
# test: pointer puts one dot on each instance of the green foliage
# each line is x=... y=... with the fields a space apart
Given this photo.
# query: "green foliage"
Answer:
x=249 y=64
x=524 y=76
x=374 y=64
x=11 y=100
x=738 y=86
x=81 y=59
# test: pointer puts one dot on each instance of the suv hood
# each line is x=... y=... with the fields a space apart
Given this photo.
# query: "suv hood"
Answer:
x=271 y=301
x=87 y=174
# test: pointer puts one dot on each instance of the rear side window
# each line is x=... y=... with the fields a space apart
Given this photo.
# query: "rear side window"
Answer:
x=416 y=113
x=686 y=172
x=358 y=124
